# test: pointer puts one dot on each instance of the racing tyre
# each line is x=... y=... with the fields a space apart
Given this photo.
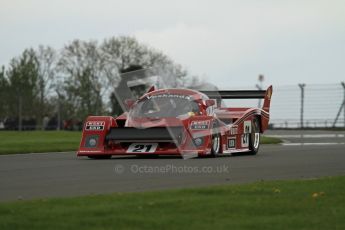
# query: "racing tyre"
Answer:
x=216 y=145
x=254 y=138
x=100 y=157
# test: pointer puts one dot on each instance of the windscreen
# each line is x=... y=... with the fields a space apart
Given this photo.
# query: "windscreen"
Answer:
x=165 y=105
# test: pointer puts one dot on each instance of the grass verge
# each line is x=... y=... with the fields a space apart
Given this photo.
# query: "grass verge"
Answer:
x=38 y=141
x=304 y=204
x=12 y=142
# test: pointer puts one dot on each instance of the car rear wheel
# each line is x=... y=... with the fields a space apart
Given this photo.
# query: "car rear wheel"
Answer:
x=216 y=145
x=254 y=139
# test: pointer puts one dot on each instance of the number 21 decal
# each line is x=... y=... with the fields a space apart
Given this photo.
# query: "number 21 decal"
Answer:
x=142 y=148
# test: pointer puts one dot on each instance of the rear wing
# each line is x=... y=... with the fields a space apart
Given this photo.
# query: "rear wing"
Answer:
x=243 y=94
x=236 y=94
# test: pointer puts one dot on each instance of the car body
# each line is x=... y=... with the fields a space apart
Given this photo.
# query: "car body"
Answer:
x=180 y=122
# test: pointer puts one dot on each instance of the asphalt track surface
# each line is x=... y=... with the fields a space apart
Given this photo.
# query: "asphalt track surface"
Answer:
x=309 y=154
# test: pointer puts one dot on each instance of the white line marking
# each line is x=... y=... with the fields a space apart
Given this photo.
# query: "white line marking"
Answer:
x=301 y=144
x=309 y=136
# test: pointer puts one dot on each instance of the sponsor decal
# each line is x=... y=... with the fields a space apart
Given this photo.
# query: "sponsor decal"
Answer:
x=247 y=129
x=94 y=125
x=187 y=97
x=234 y=130
x=200 y=125
x=231 y=143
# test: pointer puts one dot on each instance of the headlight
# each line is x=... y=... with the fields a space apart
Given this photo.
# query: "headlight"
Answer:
x=198 y=141
x=91 y=141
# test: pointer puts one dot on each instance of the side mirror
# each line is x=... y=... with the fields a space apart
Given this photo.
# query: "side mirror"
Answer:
x=209 y=103
x=129 y=103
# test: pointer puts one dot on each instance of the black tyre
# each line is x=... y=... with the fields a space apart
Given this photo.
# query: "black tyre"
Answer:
x=254 y=138
x=100 y=157
x=216 y=145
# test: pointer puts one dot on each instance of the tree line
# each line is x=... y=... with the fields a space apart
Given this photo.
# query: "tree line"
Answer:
x=78 y=80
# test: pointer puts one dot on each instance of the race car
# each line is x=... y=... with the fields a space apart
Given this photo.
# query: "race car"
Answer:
x=181 y=122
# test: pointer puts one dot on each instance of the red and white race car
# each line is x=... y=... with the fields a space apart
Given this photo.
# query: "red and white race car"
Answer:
x=179 y=122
